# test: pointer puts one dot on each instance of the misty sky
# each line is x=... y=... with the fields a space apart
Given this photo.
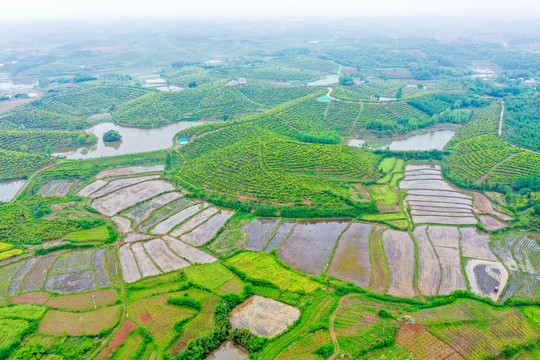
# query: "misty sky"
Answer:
x=281 y=9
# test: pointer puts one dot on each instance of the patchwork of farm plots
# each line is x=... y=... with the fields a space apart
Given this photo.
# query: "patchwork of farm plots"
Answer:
x=432 y=200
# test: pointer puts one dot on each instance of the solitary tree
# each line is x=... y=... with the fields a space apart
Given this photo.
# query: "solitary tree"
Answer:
x=399 y=93
x=48 y=149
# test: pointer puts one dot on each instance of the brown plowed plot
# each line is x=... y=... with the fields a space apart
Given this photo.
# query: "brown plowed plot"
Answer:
x=126 y=197
x=310 y=244
x=188 y=252
x=71 y=282
x=380 y=278
x=194 y=221
x=450 y=194
x=80 y=302
x=484 y=276
x=132 y=237
x=56 y=188
x=447 y=220
x=208 y=230
x=119 y=184
x=140 y=212
x=131 y=170
x=123 y=224
x=130 y=270
x=36 y=276
x=429 y=272
x=425 y=184
x=448 y=201
x=423 y=345
x=399 y=251
x=284 y=229
x=15 y=283
x=474 y=244
x=165 y=212
x=447 y=236
x=168 y=224
x=147 y=267
x=452 y=276
x=98 y=263
x=485 y=205
x=34 y=298
x=163 y=256
x=263 y=316
x=91 y=188
x=491 y=223
x=259 y=231
x=57 y=322
x=351 y=258
x=117 y=340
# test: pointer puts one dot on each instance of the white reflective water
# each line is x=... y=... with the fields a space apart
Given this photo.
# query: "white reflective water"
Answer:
x=10 y=188
x=134 y=140
x=427 y=141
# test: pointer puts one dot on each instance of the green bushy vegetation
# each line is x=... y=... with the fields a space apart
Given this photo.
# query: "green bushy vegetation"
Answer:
x=37 y=141
x=520 y=124
x=16 y=165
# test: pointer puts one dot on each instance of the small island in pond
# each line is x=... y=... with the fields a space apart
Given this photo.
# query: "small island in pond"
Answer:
x=112 y=135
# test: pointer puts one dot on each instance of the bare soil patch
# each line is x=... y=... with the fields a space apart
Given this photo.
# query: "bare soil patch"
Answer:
x=117 y=340
x=84 y=301
x=208 y=230
x=259 y=230
x=424 y=219
x=400 y=254
x=140 y=212
x=310 y=244
x=429 y=272
x=263 y=316
x=91 y=188
x=34 y=298
x=484 y=276
x=474 y=244
x=130 y=271
x=56 y=188
x=71 y=282
x=124 y=225
x=168 y=224
x=36 y=276
x=147 y=267
x=485 y=205
x=423 y=345
x=163 y=256
x=133 y=237
x=452 y=276
x=491 y=223
x=126 y=197
x=447 y=236
x=121 y=183
x=195 y=221
x=351 y=259
x=131 y=170
x=283 y=230
x=57 y=322
x=188 y=252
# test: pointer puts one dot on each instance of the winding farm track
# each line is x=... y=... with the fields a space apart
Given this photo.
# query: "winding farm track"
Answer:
x=333 y=334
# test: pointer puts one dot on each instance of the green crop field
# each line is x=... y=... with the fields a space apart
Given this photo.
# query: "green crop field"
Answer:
x=266 y=267
x=100 y=233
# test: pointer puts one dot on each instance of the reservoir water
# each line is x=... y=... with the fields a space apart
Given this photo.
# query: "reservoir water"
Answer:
x=10 y=188
x=134 y=140
x=427 y=141
x=228 y=351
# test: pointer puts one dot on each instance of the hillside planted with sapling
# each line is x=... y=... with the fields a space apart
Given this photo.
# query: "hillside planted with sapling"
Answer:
x=521 y=123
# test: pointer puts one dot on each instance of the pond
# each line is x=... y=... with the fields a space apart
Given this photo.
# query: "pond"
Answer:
x=427 y=141
x=228 y=351
x=10 y=188
x=328 y=80
x=134 y=140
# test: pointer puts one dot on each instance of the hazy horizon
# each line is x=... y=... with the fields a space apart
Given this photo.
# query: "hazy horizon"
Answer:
x=245 y=10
